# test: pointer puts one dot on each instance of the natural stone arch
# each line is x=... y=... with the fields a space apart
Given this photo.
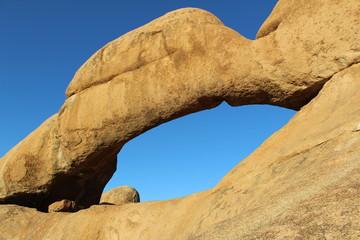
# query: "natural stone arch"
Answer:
x=193 y=153
x=184 y=62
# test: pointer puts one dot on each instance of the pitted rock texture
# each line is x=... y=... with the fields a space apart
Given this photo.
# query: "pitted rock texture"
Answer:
x=120 y=195
x=183 y=62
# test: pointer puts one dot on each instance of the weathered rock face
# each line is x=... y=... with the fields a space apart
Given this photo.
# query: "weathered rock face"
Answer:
x=120 y=195
x=170 y=68
x=302 y=183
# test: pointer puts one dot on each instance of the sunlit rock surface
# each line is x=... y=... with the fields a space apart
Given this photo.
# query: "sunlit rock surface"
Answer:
x=303 y=182
x=120 y=195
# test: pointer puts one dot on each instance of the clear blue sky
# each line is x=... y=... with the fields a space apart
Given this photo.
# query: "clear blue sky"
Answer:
x=43 y=43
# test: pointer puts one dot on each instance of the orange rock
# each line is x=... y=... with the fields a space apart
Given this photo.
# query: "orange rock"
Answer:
x=301 y=183
x=63 y=206
x=120 y=195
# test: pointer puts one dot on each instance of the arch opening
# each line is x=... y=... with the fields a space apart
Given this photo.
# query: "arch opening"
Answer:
x=193 y=153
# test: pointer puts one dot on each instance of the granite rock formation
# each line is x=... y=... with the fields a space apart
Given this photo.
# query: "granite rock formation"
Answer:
x=302 y=183
x=120 y=195
x=183 y=62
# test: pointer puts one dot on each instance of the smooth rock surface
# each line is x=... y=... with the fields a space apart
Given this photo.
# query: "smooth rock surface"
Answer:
x=120 y=195
x=302 y=183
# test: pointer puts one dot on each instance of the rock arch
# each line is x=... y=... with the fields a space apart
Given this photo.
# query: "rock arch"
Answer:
x=193 y=153
x=183 y=62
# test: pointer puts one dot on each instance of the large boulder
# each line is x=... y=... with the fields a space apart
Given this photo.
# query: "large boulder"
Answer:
x=183 y=62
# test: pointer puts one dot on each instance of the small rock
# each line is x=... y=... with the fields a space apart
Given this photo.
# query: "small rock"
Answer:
x=121 y=195
x=64 y=205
